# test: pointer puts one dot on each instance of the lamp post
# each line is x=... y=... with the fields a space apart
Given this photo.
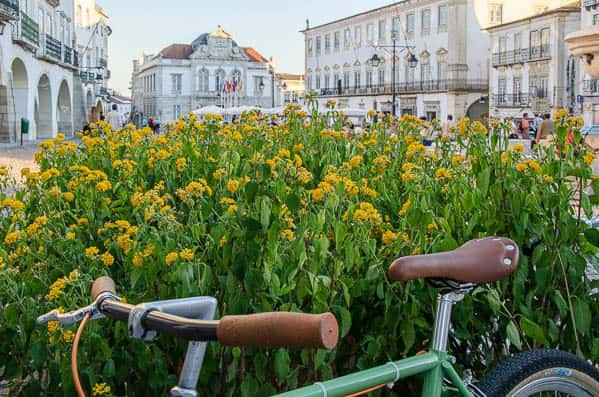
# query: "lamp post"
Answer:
x=412 y=63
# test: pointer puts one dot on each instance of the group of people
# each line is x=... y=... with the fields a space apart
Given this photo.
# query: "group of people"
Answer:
x=538 y=128
x=115 y=119
x=153 y=123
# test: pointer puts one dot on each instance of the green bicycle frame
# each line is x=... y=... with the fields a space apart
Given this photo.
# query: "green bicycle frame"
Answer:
x=435 y=365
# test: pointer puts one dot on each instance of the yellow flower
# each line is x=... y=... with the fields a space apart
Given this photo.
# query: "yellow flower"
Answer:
x=67 y=336
x=91 y=252
x=103 y=186
x=522 y=166
x=288 y=234
x=100 y=389
x=406 y=206
x=355 y=161
x=172 y=257
x=389 y=237
x=317 y=194
x=107 y=259
x=536 y=167
x=68 y=196
x=547 y=178
x=232 y=208
x=518 y=148
x=441 y=174
x=186 y=254
x=588 y=158
x=222 y=241
x=232 y=186
x=12 y=237
x=432 y=226
x=53 y=326
x=181 y=164
x=298 y=148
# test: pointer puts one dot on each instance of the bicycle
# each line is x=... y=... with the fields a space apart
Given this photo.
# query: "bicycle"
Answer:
x=455 y=273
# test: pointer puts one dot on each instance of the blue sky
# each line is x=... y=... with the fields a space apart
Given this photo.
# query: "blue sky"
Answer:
x=270 y=26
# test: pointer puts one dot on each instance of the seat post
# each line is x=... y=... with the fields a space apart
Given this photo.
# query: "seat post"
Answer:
x=445 y=302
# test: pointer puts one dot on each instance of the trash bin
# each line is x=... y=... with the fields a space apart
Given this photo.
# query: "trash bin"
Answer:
x=24 y=128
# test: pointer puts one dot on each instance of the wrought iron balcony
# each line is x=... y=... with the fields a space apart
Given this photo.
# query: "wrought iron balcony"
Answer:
x=411 y=87
x=539 y=53
x=591 y=3
x=53 y=48
x=511 y=100
x=510 y=57
x=27 y=32
x=591 y=87
x=75 y=58
x=103 y=91
x=9 y=9
x=87 y=76
x=67 y=54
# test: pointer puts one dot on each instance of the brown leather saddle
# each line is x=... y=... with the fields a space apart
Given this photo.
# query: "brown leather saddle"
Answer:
x=477 y=262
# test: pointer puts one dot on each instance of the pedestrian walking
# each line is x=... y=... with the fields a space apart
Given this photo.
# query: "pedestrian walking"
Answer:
x=446 y=127
x=525 y=126
x=545 y=132
x=115 y=119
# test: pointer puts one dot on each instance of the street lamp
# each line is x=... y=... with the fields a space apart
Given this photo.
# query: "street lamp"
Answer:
x=284 y=86
x=375 y=61
x=261 y=86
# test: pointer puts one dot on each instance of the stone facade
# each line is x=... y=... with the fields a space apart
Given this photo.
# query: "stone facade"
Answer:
x=213 y=70
x=445 y=36
x=289 y=89
x=589 y=85
x=531 y=70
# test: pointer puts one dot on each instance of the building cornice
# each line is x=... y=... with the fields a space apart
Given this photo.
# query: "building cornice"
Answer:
x=557 y=12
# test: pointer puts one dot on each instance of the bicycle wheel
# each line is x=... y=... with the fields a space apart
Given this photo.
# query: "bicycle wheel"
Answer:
x=542 y=372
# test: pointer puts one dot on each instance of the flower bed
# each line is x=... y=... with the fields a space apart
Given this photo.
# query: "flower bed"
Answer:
x=297 y=216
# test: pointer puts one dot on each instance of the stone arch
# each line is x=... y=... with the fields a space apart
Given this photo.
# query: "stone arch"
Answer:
x=64 y=109
x=100 y=108
x=479 y=109
x=44 y=111
x=20 y=86
x=89 y=101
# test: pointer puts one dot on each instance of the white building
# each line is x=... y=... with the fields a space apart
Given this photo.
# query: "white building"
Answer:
x=123 y=104
x=213 y=70
x=531 y=68
x=92 y=31
x=37 y=68
x=590 y=86
x=289 y=89
x=446 y=37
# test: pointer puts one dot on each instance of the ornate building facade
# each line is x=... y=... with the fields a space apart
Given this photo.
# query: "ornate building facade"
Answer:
x=444 y=72
x=212 y=70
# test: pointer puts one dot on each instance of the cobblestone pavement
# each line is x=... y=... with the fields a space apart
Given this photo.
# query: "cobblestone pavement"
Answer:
x=17 y=157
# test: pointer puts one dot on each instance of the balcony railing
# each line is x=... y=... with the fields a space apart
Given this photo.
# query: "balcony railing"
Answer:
x=75 y=58
x=103 y=62
x=510 y=57
x=538 y=53
x=591 y=3
x=87 y=76
x=591 y=87
x=103 y=91
x=511 y=100
x=410 y=87
x=28 y=31
x=9 y=9
x=67 y=54
x=53 y=47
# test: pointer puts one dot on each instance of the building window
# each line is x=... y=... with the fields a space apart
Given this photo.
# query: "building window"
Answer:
x=410 y=25
x=596 y=19
x=501 y=90
x=176 y=112
x=517 y=86
x=425 y=71
x=426 y=21
x=327 y=81
x=409 y=74
x=382 y=31
x=219 y=80
x=203 y=80
x=369 y=33
x=381 y=78
x=317 y=80
x=442 y=27
x=318 y=45
x=357 y=76
x=395 y=28
x=336 y=81
x=346 y=80
x=369 y=79
x=442 y=70
x=517 y=41
x=337 y=40
x=327 y=43
x=358 y=36
x=545 y=40
x=502 y=44
x=310 y=47
x=495 y=13
x=346 y=38
x=176 y=83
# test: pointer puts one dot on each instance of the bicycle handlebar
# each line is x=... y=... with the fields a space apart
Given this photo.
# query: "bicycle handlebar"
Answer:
x=279 y=329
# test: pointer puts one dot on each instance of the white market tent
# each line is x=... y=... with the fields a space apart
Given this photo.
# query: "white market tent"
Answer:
x=208 y=110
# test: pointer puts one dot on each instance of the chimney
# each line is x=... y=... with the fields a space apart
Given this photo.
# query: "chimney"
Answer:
x=307 y=24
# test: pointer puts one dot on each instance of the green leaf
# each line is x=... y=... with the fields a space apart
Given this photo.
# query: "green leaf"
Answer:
x=582 y=315
x=513 y=335
x=533 y=330
x=592 y=236
x=408 y=335
x=249 y=387
x=561 y=304
x=108 y=371
x=293 y=202
x=282 y=362
x=265 y=210
x=345 y=317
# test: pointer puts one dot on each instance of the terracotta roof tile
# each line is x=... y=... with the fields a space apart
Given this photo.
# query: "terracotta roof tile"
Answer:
x=176 y=51
x=289 y=76
x=254 y=55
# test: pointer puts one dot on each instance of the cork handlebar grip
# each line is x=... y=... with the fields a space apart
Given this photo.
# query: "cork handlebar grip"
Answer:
x=279 y=329
x=101 y=285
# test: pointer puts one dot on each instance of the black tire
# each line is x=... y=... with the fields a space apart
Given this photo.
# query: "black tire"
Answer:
x=535 y=368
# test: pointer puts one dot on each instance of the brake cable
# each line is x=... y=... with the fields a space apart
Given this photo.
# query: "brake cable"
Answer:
x=74 y=370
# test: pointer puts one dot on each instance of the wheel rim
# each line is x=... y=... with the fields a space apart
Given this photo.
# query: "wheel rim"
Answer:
x=553 y=386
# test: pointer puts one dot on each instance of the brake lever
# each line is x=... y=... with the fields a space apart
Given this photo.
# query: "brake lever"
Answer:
x=71 y=317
